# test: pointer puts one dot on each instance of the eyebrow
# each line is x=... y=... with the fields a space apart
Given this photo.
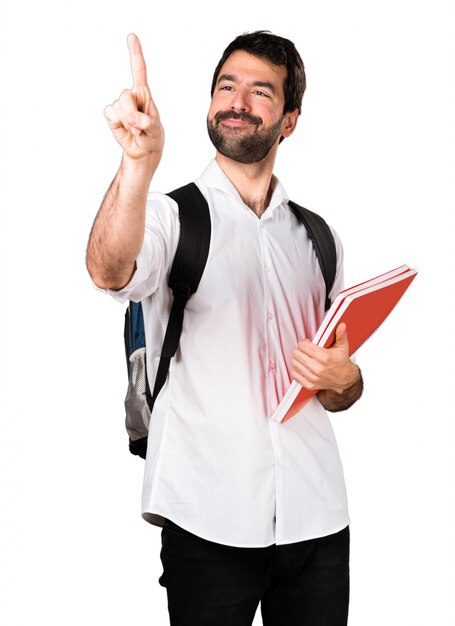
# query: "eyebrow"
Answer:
x=257 y=83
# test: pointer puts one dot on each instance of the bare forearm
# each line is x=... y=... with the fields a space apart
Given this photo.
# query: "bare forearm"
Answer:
x=340 y=400
x=118 y=231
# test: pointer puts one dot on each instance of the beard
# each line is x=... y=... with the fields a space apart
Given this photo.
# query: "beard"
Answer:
x=244 y=145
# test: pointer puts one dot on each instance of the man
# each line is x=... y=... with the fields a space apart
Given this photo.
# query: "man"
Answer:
x=253 y=511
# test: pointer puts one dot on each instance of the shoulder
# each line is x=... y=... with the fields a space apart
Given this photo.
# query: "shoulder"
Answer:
x=316 y=223
x=338 y=245
x=162 y=226
x=161 y=208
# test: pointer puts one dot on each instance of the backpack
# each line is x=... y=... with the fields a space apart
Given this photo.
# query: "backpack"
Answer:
x=186 y=272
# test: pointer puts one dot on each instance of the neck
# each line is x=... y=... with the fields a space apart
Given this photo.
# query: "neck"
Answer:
x=253 y=181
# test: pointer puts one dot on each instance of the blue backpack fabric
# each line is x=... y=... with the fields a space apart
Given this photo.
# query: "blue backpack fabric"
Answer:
x=186 y=272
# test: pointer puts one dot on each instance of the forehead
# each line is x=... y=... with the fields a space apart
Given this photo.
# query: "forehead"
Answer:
x=247 y=67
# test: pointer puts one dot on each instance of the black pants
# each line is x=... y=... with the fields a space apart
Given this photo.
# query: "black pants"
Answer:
x=298 y=584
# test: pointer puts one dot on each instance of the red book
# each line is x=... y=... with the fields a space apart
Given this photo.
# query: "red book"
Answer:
x=362 y=308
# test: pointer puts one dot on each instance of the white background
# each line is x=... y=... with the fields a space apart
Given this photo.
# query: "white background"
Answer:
x=373 y=153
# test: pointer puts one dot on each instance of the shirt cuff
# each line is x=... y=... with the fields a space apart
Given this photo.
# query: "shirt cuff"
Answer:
x=130 y=291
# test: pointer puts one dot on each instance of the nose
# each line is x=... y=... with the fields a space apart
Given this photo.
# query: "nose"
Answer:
x=240 y=101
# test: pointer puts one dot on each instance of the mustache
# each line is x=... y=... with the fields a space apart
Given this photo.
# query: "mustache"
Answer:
x=233 y=115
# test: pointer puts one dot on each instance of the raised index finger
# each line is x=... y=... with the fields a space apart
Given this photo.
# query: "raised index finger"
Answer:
x=137 y=61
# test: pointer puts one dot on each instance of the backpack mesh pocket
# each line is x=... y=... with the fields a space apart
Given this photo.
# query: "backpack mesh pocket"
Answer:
x=137 y=417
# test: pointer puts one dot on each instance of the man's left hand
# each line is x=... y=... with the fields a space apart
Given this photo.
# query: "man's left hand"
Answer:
x=329 y=371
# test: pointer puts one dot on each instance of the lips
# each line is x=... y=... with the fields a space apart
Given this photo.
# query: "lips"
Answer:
x=235 y=123
x=237 y=120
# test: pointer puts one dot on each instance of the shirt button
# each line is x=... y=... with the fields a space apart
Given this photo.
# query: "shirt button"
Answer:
x=270 y=316
x=272 y=364
x=267 y=268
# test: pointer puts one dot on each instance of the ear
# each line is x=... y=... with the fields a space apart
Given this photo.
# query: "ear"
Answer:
x=289 y=123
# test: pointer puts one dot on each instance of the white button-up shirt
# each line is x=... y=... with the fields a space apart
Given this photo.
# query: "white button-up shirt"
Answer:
x=217 y=465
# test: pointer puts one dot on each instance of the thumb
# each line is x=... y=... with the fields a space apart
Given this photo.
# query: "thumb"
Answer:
x=341 y=337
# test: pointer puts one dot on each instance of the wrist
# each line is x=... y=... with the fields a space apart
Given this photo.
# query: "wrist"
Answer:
x=351 y=380
x=334 y=400
x=139 y=169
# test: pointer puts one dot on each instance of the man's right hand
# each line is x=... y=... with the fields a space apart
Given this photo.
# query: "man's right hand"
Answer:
x=134 y=118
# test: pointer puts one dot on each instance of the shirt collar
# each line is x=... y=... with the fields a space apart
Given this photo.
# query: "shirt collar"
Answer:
x=214 y=177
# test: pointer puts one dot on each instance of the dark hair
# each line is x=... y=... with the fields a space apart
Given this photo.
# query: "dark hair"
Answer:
x=278 y=51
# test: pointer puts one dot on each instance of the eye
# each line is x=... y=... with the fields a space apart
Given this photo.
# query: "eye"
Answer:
x=258 y=92
x=226 y=88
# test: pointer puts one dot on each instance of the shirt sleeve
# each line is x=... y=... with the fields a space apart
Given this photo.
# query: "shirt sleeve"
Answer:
x=154 y=261
x=338 y=283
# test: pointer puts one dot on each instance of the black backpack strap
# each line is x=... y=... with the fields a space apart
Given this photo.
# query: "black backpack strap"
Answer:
x=323 y=242
x=187 y=269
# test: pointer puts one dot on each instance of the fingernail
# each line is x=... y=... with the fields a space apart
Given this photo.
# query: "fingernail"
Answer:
x=135 y=130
